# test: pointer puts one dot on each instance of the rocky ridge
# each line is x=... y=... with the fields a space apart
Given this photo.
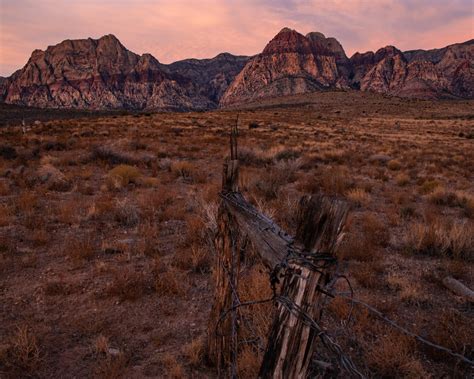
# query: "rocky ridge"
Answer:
x=103 y=74
x=292 y=63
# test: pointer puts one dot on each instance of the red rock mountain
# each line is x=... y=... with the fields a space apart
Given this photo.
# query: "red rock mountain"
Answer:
x=290 y=64
x=103 y=74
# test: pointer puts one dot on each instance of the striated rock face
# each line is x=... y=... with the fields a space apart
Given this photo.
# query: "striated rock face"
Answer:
x=457 y=66
x=447 y=72
x=103 y=74
x=290 y=64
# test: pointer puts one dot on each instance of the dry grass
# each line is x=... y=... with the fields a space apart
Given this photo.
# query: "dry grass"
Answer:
x=121 y=176
x=174 y=369
x=128 y=284
x=126 y=213
x=392 y=356
x=195 y=352
x=79 y=249
x=128 y=262
x=359 y=197
x=441 y=238
x=21 y=356
x=170 y=283
x=394 y=165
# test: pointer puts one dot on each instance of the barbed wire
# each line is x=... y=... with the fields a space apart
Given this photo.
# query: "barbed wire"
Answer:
x=344 y=360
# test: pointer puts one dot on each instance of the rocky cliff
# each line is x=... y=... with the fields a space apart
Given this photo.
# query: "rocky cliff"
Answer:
x=447 y=72
x=290 y=64
x=103 y=74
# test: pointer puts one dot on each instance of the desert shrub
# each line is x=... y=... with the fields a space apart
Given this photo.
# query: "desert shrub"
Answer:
x=252 y=157
x=407 y=211
x=21 y=356
x=451 y=329
x=149 y=233
x=441 y=196
x=54 y=179
x=253 y=125
x=428 y=186
x=268 y=185
x=392 y=356
x=329 y=180
x=437 y=237
x=394 y=165
x=122 y=175
x=367 y=273
x=8 y=152
x=54 y=146
x=375 y=230
x=466 y=202
x=336 y=155
x=79 y=248
x=402 y=179
x=110 y=155
x=126 y=213
x=287 y=154
x=187 y=171
x=335 y=180
x=170 y=283
x=128 y=284
x=195 y=351
x=358 y=196
x=172 y=366
x=56 y=288
x=194 y=258
x=148 y=182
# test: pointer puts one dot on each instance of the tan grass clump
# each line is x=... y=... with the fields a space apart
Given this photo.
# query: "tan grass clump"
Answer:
x=195 y=351
x=402 y=179
x=122 y=175
x=358 y=196
x=394 y=165
x=437 y=237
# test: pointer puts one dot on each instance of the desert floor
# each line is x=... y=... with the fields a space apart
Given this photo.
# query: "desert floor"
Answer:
x=106 y=221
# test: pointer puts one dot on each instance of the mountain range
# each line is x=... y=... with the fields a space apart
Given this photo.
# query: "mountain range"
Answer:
x=103 y=74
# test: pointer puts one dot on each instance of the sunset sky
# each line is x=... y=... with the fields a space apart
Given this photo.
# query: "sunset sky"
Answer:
x=173 y=30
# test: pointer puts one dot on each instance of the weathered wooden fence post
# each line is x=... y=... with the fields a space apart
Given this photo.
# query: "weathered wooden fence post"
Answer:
x=291 y=343
x=304 y=263
x=222 y=334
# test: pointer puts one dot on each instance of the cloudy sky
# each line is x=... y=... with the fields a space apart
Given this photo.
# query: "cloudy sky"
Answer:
x=177 y=29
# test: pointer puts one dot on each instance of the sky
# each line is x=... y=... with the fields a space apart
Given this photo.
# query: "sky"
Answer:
x=179 y=29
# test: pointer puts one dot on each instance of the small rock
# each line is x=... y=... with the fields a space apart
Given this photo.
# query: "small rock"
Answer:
x=113 y=352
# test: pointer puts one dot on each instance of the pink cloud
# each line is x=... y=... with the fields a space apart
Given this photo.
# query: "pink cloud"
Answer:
x=173 y=30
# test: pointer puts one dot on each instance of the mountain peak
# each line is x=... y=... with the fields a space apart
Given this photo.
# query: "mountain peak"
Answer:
x=286 y=30
x=288 y=41
x=315 y=35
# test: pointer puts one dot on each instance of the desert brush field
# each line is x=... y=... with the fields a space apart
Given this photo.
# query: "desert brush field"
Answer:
x=107 y=223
